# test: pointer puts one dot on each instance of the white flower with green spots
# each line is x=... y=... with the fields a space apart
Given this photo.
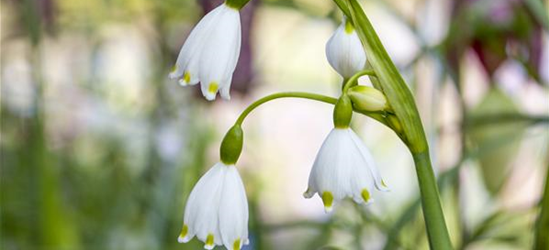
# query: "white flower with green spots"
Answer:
x=344 y=168
x=211 y=52
x=217 y=210
x=344 y=50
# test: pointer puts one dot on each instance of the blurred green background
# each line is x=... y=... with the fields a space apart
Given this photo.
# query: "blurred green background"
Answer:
x=99 y=150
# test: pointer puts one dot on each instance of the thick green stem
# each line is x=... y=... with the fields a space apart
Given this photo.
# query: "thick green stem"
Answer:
x=391 y=83
x=541 y=241
x=343 y=7
x=304 y=95
x=430 y=201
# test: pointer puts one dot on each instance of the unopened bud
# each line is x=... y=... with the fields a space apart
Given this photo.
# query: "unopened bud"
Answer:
x=366 y=98
x=344 y=50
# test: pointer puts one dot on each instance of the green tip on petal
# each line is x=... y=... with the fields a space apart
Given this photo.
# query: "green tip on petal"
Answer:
x=349 y=27
x=236 y=244
x=213 y=87
x=187 y=77
x=183 y=235
x=365 y=195
x=383 y=183
x=328 y=200
x=184 y=231
x=210 y=240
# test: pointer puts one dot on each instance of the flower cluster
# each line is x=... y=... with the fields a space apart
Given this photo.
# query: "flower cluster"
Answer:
x=217 y=209
x=344 y=166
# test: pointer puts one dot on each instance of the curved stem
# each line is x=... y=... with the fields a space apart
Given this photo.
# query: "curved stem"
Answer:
x=354 y=79
x=304 y=95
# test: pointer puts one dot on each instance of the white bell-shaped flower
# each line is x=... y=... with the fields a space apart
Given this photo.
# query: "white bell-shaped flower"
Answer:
x=343 y=168
x=211 y=52
x=344 y=50
x=217 y=210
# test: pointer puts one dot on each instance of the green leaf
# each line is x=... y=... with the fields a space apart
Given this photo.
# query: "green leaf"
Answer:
x=541 y=241
x=498 y=144
x=539 y=11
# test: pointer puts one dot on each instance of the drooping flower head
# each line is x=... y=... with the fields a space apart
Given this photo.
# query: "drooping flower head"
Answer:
x=344 y=168
x=211 y=52
x=344 y=50
x=217 y=210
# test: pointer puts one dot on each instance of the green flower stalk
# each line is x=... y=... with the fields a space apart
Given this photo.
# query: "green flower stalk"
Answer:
x=390 y=82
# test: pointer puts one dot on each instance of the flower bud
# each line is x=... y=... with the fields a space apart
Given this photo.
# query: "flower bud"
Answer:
x=366 y=98
x=344 y=50
x=231 y=146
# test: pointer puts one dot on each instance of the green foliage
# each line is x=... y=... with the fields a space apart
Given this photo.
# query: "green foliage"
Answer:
x=498 y=143
x=541 y=241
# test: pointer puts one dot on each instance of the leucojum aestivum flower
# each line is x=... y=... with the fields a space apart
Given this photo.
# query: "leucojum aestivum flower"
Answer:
x=217 y=208
x=210 y=54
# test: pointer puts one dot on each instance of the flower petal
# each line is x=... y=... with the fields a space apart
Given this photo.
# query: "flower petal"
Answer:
x=186 y=66
x=209 y=90
x=220 y=56
x=203 y=205
x=343 y=168
x=379 y=183
x=332 y=168
x=186 y=235
x=226 y=88
x=233 y=210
